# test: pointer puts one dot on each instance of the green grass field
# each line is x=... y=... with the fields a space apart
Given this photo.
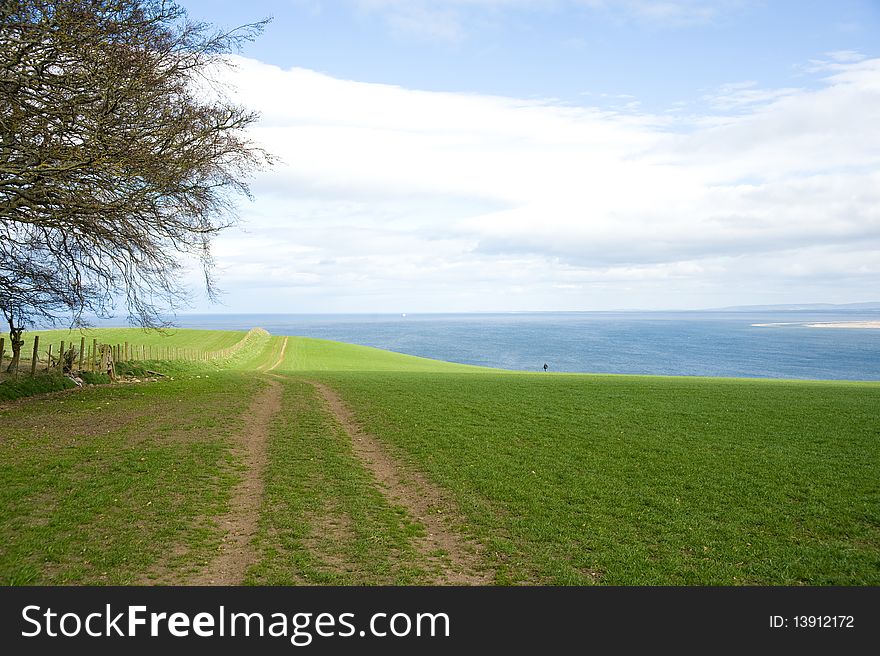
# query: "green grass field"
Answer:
x=560 y=479
x=205 y=340
x=305 y=354
x=629 y=480
x=98 y=483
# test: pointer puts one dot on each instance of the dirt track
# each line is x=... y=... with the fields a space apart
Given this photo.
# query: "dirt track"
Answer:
x=453 y=559
x=240 y=523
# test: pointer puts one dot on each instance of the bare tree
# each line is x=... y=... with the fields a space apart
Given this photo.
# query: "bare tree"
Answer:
x=120 y=156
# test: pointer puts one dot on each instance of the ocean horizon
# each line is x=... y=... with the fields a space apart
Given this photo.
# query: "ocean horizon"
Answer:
x=678 y=343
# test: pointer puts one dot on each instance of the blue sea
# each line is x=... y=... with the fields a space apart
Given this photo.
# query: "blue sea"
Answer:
x=720 y=343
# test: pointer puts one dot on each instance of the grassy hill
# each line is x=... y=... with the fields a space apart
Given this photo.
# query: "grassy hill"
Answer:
x=205 y=340
x=309 y=354
x=554 y=478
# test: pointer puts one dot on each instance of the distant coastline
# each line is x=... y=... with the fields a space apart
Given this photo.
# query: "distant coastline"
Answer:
x=822 y=324
x=845 y=324
x=778 y=323
x=640 y=343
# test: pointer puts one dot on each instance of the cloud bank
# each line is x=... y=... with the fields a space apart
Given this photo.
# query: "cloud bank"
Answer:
x=393 y=199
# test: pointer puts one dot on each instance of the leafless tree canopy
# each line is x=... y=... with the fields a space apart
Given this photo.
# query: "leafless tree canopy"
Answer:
x=118 y=156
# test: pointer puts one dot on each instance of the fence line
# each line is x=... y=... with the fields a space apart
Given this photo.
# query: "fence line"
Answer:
x=103 y=356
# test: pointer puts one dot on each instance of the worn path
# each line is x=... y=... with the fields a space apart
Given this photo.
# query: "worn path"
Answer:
x=240 y=523
x=453 y=559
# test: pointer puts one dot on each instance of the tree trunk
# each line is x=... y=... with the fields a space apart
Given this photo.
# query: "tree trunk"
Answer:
x=16 y=342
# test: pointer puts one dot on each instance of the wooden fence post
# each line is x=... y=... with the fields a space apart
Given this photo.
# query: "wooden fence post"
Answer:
x=94 y=353
x=61 y=357
x=2 y=348
x=49 y=358
x=82 y=347
x=36 y=354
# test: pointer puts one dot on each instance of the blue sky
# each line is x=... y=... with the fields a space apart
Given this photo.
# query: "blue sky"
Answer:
x=562 y=49
x=461 y=155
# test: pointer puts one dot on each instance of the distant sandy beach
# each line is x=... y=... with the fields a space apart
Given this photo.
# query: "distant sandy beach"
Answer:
x=846 y=324
x=830 y=324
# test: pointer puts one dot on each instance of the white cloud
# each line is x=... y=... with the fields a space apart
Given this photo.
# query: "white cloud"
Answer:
x=738 y=95
x=448 y=20
x=402 y=200
x=846 y=56
x=837 y=60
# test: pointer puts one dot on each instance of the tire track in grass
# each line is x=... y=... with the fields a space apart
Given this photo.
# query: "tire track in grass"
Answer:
x=280 y=355
x=236 y=551
x=454 y=559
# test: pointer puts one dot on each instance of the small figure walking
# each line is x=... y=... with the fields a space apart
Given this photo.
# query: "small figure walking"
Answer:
x=545 y=366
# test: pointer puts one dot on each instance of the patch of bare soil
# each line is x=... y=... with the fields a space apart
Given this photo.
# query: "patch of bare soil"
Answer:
x=42 y=396
x=454 y=559
x=65 y=422
x=236 y=552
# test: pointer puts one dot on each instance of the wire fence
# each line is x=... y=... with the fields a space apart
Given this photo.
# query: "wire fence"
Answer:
x=101 y=357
